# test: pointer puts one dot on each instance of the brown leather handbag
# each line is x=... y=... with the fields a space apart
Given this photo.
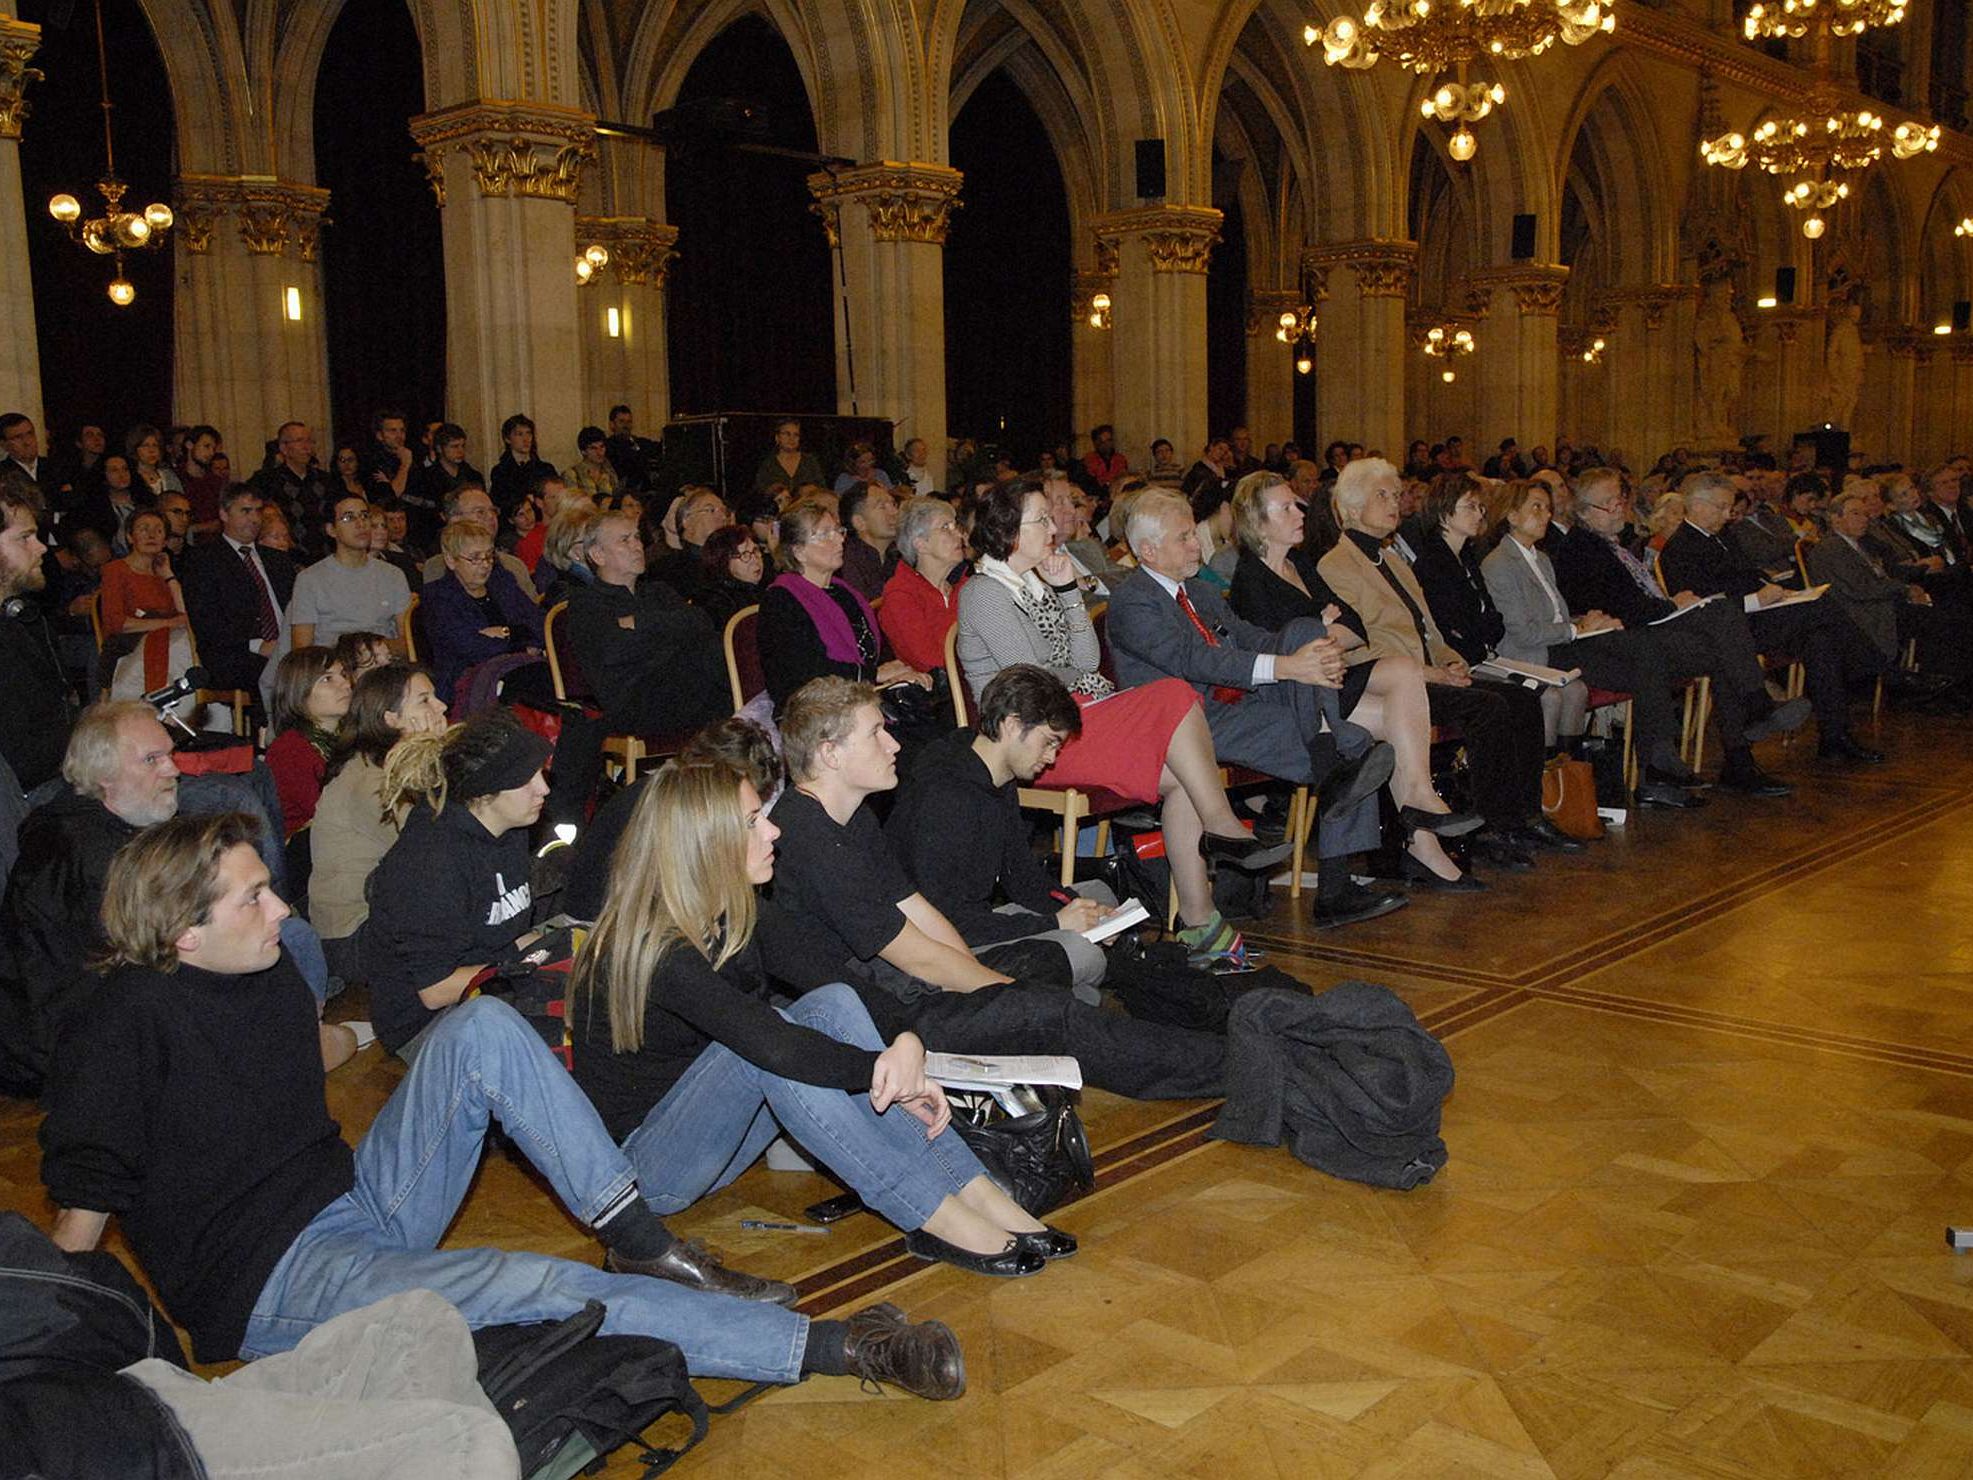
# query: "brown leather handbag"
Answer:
x=1568 y=797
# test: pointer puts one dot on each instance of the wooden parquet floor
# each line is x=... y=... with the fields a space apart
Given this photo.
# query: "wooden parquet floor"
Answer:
x=1714 y=1111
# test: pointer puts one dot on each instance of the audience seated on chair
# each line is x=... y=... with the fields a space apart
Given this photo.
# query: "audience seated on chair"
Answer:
x=237 y=594
x=845 y=911
x=869 y=515
x=921 y=598
x=349 y=590
x=469 y=504
x=477 y=612
x=34 y=722
x=732 y=576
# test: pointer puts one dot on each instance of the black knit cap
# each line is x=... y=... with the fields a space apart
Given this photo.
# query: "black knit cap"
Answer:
x=518 y=754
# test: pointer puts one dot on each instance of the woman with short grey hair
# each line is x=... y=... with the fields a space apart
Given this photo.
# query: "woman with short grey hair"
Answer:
x=921 y=599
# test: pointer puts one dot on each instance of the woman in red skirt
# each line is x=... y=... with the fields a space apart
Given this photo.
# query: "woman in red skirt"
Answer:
x=1151 y=744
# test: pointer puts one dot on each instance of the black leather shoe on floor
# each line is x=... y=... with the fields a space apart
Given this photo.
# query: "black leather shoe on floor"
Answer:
x=1050 y=1243
x=1355 y=904
x=1420 y=877
x=1849 y=750
x=1752 y=781
x=1667 y=794
x=1783 y=719
x=691 y=1264
x=1441 y=824
x=1501 y=850
x=1250 y=855
x=1355 y=779
x=1541 y=833
x=1014 y=1262
x=922 y=1358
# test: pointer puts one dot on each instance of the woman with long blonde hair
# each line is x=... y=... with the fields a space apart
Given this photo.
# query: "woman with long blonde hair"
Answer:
x=695 y=1072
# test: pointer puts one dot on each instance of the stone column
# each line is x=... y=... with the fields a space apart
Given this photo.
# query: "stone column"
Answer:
x=1957 y=414
x=1906 y=352
x=1270 y=365
x=1798 y=345
x=506 y=176
x=1360 y=344
x=624 y=356
x=888 y=221
x=1094 y=389
x=1516 y=367
x=250 y=349
x=1652 y=370
x=1159 y=315
x=20 y=356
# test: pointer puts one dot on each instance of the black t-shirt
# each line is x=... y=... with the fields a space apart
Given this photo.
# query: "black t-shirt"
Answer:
x=838 y=889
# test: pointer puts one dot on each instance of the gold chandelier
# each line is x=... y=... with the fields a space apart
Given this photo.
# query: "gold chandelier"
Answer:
x=1815 y=150
x=1448 y=342
x=591 y=260
x=116 y=231
x=1431 y=37
x=1796 y=18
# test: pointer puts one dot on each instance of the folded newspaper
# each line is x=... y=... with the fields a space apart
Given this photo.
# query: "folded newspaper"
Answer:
x=979 y=1072
x=1512 y=670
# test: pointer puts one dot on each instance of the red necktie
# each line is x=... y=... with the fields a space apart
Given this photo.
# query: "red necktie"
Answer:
x=270 y=625
x=1225 y=693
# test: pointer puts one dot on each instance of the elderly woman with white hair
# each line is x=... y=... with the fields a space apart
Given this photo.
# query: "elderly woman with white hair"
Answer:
x=1501 y=724
x=921 y=599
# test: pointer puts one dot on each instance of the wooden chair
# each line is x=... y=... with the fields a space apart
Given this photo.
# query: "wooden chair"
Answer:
x=1697 y=708
x=1617 y=699
x=742 y=641
x=238 y=700
x=408 y=629
x=625 y=750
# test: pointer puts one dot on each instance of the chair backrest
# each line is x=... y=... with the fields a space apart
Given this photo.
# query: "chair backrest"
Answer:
x=962 y=692
x=409 y=628
x=563 y=670
x=96 y=618
x=1099 y=618
x=1802 y=562
x=1658 y=571
x=744 y=675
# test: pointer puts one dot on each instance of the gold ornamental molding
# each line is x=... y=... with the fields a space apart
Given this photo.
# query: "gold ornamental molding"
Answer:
x=532 y=150
x=18 y=42
x=1537 y=286
x=1788 y=322
x=1266 y=305
x=905 y=202
x=1962 y=355
x=641 y=250
x=1911 y=344
x=1176 y=238
x=1384 y=269
x=272 y=214
x=1653 y=302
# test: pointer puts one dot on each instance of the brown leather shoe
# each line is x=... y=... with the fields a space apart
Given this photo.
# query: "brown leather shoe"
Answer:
x=691 y=1264
x=922 y=1358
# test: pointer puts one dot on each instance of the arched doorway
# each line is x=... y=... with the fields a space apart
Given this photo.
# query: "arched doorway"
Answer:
x=750 y=306
x=1007 y=276
x=99 y=363
x=383 y=261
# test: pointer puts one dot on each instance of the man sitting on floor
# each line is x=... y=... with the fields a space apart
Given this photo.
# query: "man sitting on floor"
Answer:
x=844 y=911
x=958 y=831
x=187 y=1100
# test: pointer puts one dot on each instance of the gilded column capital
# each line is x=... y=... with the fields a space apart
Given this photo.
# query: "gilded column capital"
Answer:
x=1537 y=286
x=905 y=202
x=1266 y=305
x=640 y=249
x=1653 y=300
x=1572 y=340
x=272 y=214
x=1383 y=268
x=1176 y=238
x=18 y=41
x=1788 y=323
x=534 y=150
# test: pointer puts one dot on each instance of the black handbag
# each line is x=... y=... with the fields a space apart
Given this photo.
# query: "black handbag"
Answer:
x=1040 y=1158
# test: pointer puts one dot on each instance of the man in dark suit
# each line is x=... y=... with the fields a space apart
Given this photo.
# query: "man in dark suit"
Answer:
x=1597 y=573
x=1886 y=608
x=236 y=594
x=20 y=453
x=633 y=457
x=1763 y=535
x=1945 y=506
x=1826 y=642
x=1270 y=700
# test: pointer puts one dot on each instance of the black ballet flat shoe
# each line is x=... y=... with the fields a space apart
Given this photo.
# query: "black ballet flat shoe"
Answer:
x=1441 y=824
x=1415 y=873
x=1502 y=851
x=1049 y=1243
x=1356 y=779
x=1248 y=854
x=1014 y=1262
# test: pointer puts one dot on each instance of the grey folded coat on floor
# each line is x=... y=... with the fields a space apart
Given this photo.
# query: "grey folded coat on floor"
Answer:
x=1348 y=1078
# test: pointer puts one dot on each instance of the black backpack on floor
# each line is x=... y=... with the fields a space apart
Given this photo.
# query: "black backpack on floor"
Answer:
x=571 y=1397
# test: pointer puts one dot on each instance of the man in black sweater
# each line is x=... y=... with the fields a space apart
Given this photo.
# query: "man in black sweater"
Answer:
x=654 y=663
x=1831 y=648
x=187 y=1100
x=1597 y=573
x=844 y=911
x=957 y=827
x=34 y=722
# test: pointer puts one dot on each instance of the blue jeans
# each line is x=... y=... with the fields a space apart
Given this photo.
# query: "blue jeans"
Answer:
x=483 y=1061
x=715 y=1122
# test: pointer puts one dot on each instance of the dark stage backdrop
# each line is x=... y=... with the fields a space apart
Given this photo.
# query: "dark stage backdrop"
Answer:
x=752 y=293
x=1226 y=330
x=383 y=264
x=1008 y=359
x=99 y=363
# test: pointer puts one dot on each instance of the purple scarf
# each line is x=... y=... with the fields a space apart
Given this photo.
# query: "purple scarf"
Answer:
x=838 y=640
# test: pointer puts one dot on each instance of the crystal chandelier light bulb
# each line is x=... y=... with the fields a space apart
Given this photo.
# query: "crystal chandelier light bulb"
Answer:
x=158 y=214
x=122 y=293
x=65 y=209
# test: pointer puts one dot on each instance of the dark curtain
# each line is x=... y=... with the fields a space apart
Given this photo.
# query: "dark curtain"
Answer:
x=383 y=264
x=752 y=293
x=1226 y=329
x=99 y=363
x=1008 y=359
